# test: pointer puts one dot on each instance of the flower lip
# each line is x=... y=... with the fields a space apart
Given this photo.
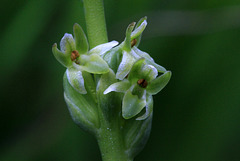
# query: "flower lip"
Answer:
x=142 y=83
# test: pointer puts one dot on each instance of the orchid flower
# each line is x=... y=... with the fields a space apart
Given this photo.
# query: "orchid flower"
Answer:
x=138 y=89
x=74 y=55
x=127 y=53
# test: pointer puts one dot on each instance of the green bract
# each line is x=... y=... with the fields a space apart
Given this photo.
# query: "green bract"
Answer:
x=139 y=87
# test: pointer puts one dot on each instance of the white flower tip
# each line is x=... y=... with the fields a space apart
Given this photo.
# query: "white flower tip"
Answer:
x=103 y=48
x=107 y=91
x=113 y=43
x=67 y=37
x=144 y=23
x=154 y=69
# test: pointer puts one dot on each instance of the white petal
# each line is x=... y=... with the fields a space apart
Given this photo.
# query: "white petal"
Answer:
x=138 y=31
x=143 y=54
x=149 y=108
x=149 y=59
x=103 y=48
x=118 y=87
x=135 y=55
x=125 y=65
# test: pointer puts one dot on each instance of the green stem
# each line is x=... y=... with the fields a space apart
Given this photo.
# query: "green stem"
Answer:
x=111 y=144
x=95 y=21
x=109 y=135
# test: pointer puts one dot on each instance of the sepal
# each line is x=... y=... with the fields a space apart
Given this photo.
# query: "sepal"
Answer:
x=61 y=57
x=159 y=83
x=138 y=39
x=127 y=41
x=125 y=65
x=80 y=39
x=138 y=30
x=136 y=70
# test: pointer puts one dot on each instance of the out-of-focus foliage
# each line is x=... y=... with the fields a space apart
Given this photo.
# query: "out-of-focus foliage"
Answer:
x=196 y=117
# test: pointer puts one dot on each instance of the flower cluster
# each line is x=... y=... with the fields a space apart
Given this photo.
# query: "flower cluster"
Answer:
x=135 y=71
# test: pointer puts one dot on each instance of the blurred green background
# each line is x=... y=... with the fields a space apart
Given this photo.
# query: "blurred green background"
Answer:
x=196 y=117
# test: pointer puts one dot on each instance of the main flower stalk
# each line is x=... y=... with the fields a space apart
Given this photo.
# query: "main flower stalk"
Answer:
x=95 y=21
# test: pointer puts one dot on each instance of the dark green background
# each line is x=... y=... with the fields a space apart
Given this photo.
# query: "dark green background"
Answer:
x=196 y=117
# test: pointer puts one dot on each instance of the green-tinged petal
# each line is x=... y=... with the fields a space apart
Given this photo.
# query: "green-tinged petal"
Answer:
x=125 y=65
x=67 y=44
x=93 y=64
x=138 y=39
x=142 y=54
x=76 y=80
x=159 y=68
x=61 y=57
x=132 y=105
x=103 y=48
x=141 y=21
x=118 y=87
x=149 y=108
x=149 y=59
x=135 y=55
x=127 y=41
x=80 y=39
x=138 y=31
x=159 y=83
x=135 y=72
